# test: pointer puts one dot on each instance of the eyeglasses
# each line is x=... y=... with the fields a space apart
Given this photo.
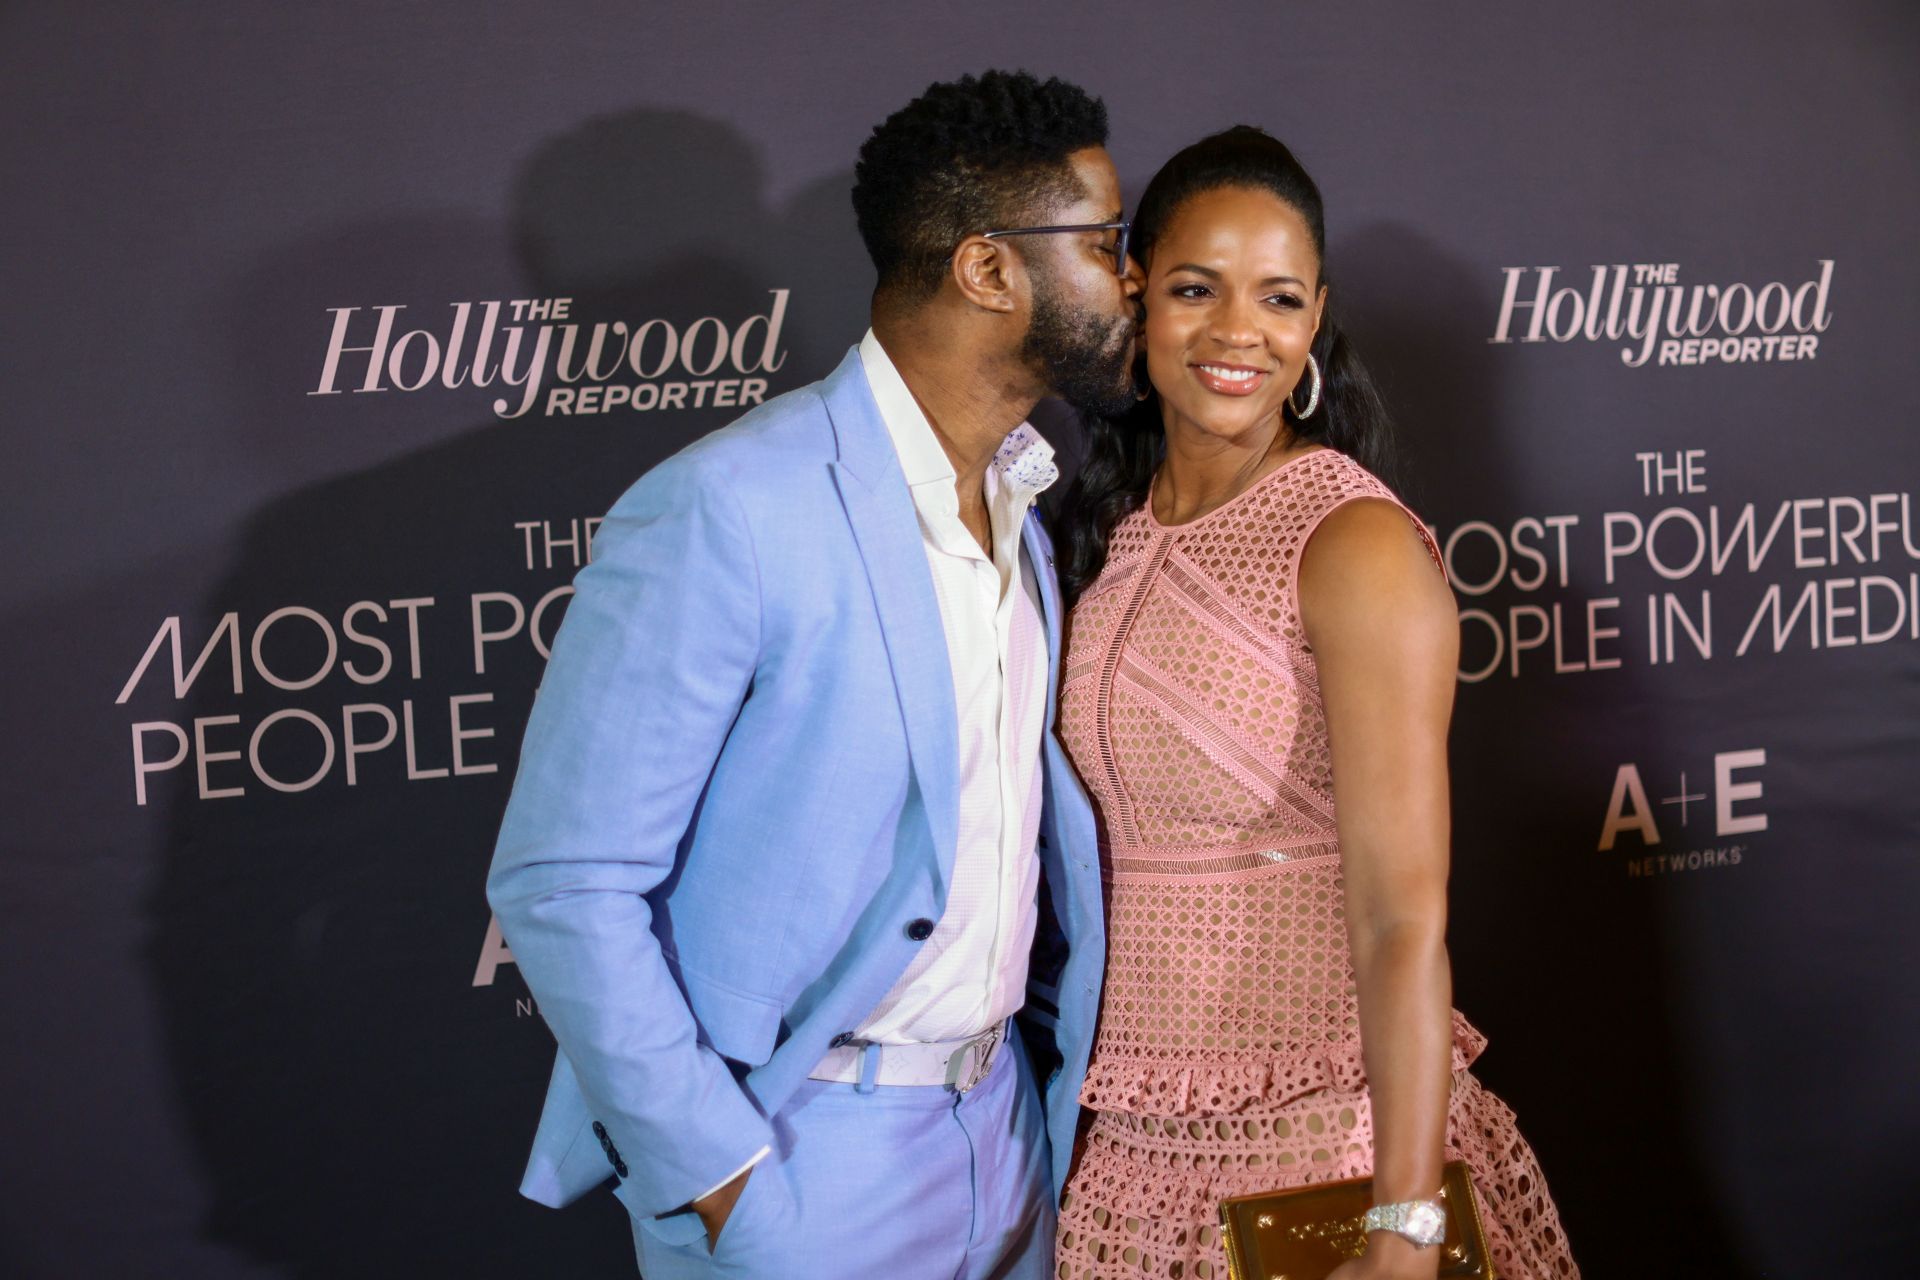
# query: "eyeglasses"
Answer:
x=1118 y=248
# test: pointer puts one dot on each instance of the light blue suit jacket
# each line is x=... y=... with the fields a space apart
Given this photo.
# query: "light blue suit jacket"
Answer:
x=737 y=789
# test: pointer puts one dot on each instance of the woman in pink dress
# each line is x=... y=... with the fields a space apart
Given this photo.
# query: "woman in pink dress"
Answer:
x=1258 y=680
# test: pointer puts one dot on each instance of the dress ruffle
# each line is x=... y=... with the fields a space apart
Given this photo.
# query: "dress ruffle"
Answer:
x=1156 y=1087
x=1145 y=1194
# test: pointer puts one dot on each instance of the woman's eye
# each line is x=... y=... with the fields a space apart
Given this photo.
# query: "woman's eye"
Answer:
x=1189 y=291
x=1286 y=300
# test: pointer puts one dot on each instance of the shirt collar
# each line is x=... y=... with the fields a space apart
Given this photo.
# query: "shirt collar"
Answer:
x=1023 y=463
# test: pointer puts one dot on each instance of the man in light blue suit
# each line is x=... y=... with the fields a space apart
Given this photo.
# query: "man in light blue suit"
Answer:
x=792 y=838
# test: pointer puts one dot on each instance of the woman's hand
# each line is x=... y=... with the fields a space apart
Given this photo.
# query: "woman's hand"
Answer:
x=1390 y=1257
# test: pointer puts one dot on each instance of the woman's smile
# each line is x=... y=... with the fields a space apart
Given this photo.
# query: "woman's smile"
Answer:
x=1229 y=379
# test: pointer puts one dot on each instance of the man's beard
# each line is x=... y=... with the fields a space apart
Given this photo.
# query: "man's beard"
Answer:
x=1086 y=357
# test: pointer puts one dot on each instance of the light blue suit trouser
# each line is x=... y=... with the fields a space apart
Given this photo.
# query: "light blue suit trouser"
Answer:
x=916 y=1182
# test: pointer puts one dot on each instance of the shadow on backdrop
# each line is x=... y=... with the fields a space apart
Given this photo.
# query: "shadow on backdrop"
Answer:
x=1535 y=968
x=358 y=1106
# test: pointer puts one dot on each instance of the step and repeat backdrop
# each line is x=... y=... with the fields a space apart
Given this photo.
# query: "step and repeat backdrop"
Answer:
x=329 y=332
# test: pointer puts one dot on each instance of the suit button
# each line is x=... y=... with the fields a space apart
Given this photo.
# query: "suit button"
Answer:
x=606 y=1145
x=920 y=930
x=841 y=1041
x=1040 y=841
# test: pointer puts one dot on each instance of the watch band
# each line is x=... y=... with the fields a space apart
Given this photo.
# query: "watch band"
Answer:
x=1423 y=1222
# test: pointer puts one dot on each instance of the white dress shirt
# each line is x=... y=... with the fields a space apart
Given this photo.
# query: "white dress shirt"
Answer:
x=972 y=972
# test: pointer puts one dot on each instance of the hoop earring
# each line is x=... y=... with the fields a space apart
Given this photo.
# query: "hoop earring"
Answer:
x=1313 y=396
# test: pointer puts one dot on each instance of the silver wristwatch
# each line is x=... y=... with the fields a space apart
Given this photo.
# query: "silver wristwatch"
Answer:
x=1424 y=1222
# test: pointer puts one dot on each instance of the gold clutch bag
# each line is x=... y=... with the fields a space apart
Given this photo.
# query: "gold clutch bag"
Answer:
x=1305 y=1232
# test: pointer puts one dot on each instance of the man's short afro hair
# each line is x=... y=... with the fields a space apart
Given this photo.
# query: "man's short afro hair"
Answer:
x=972 y=155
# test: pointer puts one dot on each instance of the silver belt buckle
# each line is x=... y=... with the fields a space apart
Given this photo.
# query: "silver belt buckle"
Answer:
x=970 y=1065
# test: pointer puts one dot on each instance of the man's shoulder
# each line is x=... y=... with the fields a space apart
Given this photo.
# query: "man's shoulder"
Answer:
x=778 y=442
x=789 y=426
x=788 y=437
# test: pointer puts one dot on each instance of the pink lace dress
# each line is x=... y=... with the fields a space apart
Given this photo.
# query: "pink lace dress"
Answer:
x=1228 y=1055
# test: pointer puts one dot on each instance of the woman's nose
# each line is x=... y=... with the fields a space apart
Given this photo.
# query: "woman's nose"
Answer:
x=1232 y=324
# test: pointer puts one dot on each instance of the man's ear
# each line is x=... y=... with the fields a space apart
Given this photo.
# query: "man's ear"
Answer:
x=988 y=274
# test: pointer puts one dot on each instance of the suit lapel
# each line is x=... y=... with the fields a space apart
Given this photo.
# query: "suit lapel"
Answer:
x=1033 y=534
x=887 y=528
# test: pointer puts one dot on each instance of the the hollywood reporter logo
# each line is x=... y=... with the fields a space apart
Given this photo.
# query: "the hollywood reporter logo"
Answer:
x=541 y=348
x=1645 y=304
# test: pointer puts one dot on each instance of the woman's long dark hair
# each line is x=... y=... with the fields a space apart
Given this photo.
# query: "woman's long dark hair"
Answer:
x=1124 y=452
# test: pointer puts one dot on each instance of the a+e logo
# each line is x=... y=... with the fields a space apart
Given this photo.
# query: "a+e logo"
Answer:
x=1629 y=810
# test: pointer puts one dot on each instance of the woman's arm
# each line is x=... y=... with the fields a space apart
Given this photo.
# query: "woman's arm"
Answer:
x=1385 y=634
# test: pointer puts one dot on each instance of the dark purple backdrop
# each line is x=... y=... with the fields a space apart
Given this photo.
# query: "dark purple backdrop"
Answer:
x=263 y=1034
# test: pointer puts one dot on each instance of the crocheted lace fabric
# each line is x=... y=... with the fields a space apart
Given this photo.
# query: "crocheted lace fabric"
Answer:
x=1228 y=1055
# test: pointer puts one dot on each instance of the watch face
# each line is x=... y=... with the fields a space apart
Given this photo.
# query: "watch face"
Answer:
x=1426 y=1222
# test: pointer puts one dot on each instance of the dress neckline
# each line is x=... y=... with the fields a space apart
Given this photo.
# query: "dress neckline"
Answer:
x=1154 y=521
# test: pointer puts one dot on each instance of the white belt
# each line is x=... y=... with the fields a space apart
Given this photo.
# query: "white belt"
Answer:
x=957 y=1064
